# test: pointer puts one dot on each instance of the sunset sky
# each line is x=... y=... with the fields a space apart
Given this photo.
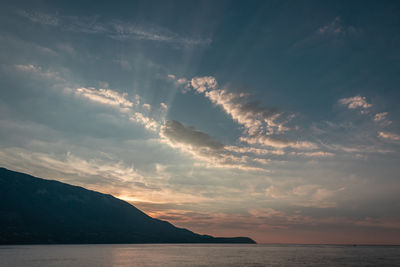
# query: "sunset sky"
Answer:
x=277 y=120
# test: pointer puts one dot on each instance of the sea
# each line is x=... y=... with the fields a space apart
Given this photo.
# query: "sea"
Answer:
x=198 y=255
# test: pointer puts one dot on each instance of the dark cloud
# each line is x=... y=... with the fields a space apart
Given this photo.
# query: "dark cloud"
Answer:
x=179 y=133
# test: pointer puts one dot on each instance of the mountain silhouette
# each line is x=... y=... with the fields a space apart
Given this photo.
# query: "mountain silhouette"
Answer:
x=39 y=211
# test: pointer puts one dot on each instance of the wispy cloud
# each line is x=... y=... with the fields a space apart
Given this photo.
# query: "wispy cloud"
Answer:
x=256 y=119
x=334 y=31
x=47 y=74
x=180 y=82
x=185 y=138
x=135 y=110
x=254 y=150
x=380 y=116
x=278 y=143
x=336 y=28
x=356 y=102
x=318 y=154
x=306 y=195
x=147 y=122
x=115 y=29
x=124 y=64
x=260 y=123
x=382 y=119
x=39 y=17
x=203 y=148
x=357 y=149
x=115 y=172
x=389 y=136
x=104 y=174
x=105 y=96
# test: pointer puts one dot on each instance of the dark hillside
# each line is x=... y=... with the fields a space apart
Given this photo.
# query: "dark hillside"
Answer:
x=38 y=211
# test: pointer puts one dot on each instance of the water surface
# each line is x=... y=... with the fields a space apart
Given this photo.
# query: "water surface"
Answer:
x=198 y=255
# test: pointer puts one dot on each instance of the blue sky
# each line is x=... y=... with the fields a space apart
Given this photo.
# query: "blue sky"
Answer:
x=276 y=120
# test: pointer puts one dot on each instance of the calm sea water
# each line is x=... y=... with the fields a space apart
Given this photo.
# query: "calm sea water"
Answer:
x=198 y=255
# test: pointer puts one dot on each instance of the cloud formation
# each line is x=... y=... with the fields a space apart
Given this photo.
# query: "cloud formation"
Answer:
x=179 y=133
x=147 y=122
x=204 y=148
x=336 y=28
x=389 y=136
x=259 y=123
x=278 y=143
x=114 y=172
x=42 y=18
x=319 y=154
x=47 y=74
x=356 y=102
x=134 y=109
x=115 y=29
x=105 y=96
x=257 y=120
x=201 y=84
x=254 y=150
x=180 y=82
x=381 y=118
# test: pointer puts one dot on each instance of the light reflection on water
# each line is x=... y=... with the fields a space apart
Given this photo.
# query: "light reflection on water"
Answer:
x=198 y=255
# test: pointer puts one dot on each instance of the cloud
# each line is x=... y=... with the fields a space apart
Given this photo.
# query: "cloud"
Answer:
x=254 y=150
x=26 y=49
x=180 y=82
x=357 y=149
x=114 y=172
x=203 y=147
x=381 y=118
x=278 y=143
x=105 y=96
x=124 y=31
x=178 y=133
x=163 y=106
x=38 y=71
x=356 y=102
x=336 y=28
x=28 y=68
x=103 y=174
x=306 y=195
x=334 y=31
x=69 y=49
x=304 y=190
x=115 y=29
x=262 y=161
x=389 y=136
x=124 y=64
x=134 y=109
x=318 y=154
x=257 y=120
x=146 y=106
x=42 y=18
x=199 y=144
x=259 y=123
x=148 y=123
x=201 y=84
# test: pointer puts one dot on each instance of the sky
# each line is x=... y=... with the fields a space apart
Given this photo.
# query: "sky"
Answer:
x=277 y=120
